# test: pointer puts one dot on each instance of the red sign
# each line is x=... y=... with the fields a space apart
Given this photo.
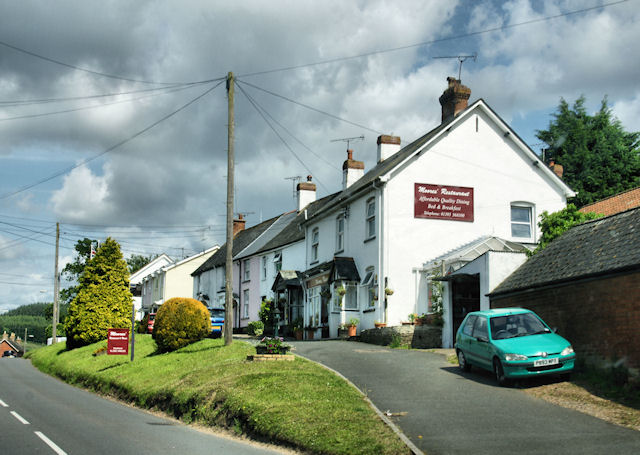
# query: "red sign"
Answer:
x=442 y=202
x=118 y=342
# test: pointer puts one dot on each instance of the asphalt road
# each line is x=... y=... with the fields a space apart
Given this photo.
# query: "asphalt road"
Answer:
x=41 y=415
x=450 y=412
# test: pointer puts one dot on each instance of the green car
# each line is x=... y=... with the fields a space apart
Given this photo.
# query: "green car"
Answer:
x=512 y=343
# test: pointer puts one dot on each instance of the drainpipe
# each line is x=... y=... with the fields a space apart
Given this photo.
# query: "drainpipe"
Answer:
x=382 y=254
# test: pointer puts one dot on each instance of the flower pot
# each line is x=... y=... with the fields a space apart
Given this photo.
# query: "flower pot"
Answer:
x=298 y=334
x=418 y=321
x=380 y=324
x=352 y=330
x=310 y=334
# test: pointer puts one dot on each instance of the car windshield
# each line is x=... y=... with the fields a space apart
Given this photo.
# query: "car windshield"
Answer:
x=217 y=313
x=516 y=325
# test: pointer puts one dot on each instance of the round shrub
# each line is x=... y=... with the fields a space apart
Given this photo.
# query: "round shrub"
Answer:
x=255 y=328
x=180 y=321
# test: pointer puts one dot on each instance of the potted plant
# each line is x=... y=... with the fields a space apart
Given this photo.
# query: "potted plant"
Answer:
x=379 y=324
x=341 y=291
x=412 y=318
x=311 y=331
x=297 y=328
x=272 y=346
x=388 y=291
x=351 y=326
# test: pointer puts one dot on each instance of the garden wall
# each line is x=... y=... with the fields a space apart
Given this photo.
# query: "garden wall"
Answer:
x=416 y=336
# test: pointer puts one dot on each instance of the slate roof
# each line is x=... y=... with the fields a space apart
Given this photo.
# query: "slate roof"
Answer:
x=595 y=248
x=269 y=233
x=240 y=242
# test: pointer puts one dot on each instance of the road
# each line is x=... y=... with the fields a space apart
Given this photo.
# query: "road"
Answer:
x=450 y=412
x=42 y=415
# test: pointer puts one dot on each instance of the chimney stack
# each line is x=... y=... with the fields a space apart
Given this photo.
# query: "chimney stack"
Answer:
x=306 y=192
x=454 y=99
x=238 y=224
x=387 y=146
x=352 y=170
x=556 y=168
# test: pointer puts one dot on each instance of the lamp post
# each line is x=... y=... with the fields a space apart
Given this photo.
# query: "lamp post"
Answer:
x=276 y=318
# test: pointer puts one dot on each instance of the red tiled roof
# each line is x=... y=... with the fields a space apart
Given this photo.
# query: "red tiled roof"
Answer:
x=615 y=204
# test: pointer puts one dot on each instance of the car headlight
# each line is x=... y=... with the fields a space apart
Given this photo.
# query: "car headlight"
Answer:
x=512 y=357
x=568 y=350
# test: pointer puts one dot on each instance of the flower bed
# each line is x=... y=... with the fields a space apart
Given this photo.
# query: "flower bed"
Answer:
x=272 y=346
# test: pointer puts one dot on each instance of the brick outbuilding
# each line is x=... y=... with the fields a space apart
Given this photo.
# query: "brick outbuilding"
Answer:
x=587 y=284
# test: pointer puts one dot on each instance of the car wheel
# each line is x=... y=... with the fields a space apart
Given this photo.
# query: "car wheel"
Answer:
x=498 y=372
x=462 y=362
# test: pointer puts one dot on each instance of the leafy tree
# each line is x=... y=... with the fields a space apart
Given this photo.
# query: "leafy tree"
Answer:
x=35 y=325
x=136 y=262
x=31 y=309
x=103 y=300
x=73 y=270
x=554 y=224
x=599 y=158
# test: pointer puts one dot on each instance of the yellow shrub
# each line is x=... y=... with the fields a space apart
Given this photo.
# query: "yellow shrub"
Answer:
x=180 y=321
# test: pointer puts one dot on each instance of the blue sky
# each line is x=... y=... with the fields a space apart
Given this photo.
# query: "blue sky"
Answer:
x=164 y=191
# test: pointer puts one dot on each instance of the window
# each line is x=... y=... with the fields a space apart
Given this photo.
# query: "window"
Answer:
x=247 y=270
x=368 y=285
x=314 y=306
x=521 y=218
x=480 y=329
x=370 y=230
x=340 y=234
x=264 y=268
x=468 y=326
x=277 y=260
x=315 y=241
x=245 y=303
x=351 y=297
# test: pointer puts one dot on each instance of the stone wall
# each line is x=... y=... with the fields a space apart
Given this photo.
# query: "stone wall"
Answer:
x=416 y=336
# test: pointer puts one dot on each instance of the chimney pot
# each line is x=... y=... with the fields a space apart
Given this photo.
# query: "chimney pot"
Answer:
x=454 y=99
x=352 y=170
x=306 y=193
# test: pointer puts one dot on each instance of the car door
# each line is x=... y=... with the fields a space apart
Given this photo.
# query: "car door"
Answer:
x=464 y=337
x=480 y=349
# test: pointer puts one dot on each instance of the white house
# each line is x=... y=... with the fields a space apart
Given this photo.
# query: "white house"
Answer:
x=136 y=280
x=172 y=280
x=468 y=178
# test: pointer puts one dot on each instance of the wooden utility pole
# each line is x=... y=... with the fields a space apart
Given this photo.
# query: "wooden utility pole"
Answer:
x=228 y=305
x=56 y=290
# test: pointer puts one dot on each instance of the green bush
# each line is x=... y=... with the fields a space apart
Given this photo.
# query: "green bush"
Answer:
x=255 y=328
x=179 y=322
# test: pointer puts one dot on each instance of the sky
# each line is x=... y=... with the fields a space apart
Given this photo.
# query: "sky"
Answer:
x=113 y=114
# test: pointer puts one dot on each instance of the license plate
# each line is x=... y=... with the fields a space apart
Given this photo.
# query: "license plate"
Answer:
x=216 y=328
x=545 y=362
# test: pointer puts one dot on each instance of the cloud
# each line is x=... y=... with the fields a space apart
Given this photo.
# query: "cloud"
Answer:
x=83 y=196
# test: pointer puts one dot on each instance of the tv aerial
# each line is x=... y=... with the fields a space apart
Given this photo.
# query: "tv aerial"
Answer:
x=461 y=59
x=348 y=140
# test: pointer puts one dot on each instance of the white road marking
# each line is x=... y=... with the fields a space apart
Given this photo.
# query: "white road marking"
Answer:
x=19 y=417
x=3 y=404
x=50 y=443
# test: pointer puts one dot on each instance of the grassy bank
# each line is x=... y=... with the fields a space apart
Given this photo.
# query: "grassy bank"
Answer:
x=296 y=403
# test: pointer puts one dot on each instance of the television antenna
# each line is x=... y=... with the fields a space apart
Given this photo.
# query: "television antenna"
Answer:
x=294 y=181
x=348 y=140
x=461 y=59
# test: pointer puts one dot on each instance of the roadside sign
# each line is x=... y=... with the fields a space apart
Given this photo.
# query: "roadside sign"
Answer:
x=118 y=342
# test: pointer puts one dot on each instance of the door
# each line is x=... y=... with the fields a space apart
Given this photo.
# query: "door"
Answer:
x=465 y=298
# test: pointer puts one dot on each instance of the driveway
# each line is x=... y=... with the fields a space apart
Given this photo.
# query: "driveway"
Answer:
x=445 y=411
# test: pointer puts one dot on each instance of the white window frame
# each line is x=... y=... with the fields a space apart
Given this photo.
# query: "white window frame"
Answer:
x=264 y=268
x=368 y=286
x=351 y=297
x=245 y=304
x=519 y=223
x=246 y=264
x=340 y=222
x=370 y=219
x=314 y=298
x=315 y=244
x=277 y=260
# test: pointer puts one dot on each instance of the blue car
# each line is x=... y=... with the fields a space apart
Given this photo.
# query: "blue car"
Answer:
x=217 y=321
x=512 y=343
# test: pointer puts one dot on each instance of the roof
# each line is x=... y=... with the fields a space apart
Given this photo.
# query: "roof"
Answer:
x=292 y=232
x=240 y=242
x=286 y=278
x=424 y=143
x=272 y=231
x=137 y=276
x=476 y=248
x=595 y=248
x=615 y=204
x=14 y=345
x=501 y=312
x=339 y=268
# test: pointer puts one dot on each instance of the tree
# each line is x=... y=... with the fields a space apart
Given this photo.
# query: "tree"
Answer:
x=136 y=262
x=599 y=158
x=103 y=300
x=73 y=270
x=554 y=224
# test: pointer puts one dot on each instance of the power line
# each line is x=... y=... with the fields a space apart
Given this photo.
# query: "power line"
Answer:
x=260 y=109
x=310 y=107
x=439 y=40
x=110 y=149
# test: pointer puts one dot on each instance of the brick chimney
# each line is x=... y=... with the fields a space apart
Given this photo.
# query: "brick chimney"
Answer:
x=306 y=193
x=556 y=168
x=454 y=99
x=238 y=224
x=12 y=337
x=352 y=170
x=387 y=146
x=5 y=335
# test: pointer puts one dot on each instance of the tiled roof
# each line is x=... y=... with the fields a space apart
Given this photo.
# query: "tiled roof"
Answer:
x=615 y=204
x=597 y=247
x=240 y=242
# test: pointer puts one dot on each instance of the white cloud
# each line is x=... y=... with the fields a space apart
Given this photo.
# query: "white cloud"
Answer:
x=83 y=196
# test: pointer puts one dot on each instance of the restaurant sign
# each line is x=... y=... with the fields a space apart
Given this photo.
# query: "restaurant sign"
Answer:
x=443 y=202
x=118 y=342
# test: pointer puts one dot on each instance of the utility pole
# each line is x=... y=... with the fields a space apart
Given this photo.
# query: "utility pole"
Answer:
x=228 y=305
x=56 y=290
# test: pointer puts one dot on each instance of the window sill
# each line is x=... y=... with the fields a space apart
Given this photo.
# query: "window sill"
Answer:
x=339 y=251
x=369 y=310
x=369 y=239
x=313 y=262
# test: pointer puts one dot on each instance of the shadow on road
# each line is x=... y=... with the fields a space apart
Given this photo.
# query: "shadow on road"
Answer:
x=486 y=377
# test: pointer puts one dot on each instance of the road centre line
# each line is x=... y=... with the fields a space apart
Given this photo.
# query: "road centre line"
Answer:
x=3 y=404
x=50 y=443
x=20 y=418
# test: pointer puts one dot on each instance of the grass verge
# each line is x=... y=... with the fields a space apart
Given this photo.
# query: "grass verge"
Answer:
x=298 y=404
